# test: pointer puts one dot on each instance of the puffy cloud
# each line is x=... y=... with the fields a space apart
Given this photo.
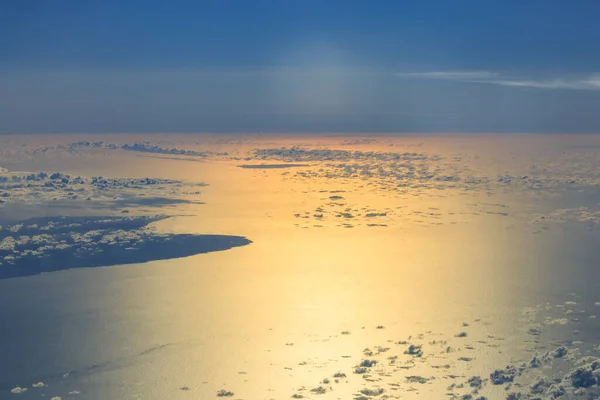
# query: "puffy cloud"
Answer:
x=32 y=188
x=556 y=321
x=76 y=242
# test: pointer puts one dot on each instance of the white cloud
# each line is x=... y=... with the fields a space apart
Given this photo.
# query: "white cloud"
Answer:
x=556 y=321
x=589 y=82
x=453 y=75
x=592 y=83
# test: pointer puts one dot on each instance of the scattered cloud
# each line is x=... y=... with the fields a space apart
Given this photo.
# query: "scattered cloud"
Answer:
x=51 y=244
x=95 y=192
x=588 y=82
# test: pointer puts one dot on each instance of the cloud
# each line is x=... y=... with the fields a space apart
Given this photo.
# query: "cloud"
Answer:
x=80 y=242
x=56 y=189
x=453 y=75
x=589 y=82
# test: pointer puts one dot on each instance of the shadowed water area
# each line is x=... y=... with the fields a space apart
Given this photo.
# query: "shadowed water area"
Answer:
x=52 y=244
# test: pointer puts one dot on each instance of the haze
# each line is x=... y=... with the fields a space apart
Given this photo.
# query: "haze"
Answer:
x=307 y=200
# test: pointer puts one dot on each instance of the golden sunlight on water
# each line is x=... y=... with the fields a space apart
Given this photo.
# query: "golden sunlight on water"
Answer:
x=442 y=248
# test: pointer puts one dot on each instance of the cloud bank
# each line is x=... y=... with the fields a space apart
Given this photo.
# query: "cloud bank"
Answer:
x=41 y=245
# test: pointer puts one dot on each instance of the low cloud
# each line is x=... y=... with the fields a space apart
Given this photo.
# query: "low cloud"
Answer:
x=57 y=243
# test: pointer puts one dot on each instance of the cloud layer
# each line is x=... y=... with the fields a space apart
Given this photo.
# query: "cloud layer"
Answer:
x=588 y=82
x=51 y=244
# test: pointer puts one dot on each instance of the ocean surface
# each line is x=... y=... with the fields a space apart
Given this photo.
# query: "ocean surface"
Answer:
x=366 y=268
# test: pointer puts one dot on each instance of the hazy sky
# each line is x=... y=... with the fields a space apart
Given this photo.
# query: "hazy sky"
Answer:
x=287 y=65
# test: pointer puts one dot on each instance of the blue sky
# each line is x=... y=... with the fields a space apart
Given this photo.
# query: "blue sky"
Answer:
x=299 y=66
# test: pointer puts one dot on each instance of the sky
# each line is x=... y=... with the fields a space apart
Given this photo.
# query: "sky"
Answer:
x=299 y=66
